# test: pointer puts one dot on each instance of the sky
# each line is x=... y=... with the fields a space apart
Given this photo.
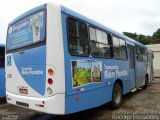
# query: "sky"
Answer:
x=140 y=16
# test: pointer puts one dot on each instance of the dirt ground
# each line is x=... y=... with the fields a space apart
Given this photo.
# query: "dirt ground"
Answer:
x=140 y=105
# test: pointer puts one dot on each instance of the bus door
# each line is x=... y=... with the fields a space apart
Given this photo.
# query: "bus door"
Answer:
x=131 y=58
x=152 y=69
x=150 y=65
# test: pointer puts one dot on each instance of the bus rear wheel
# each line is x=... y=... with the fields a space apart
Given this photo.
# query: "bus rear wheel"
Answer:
x=116 y=96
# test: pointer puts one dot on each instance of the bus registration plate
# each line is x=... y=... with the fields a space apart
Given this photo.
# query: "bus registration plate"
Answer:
x=23 y=90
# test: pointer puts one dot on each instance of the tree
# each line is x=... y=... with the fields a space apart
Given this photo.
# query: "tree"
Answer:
x=139 y=37
x=144 y=39
x=131 y=35
x=156 y=35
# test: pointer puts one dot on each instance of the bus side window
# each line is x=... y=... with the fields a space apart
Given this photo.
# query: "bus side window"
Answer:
x=145 y=55
x=119 y=48
x=100 y=44
x=116 y=47
x=139 y=53
x=77 y=37
x=123 y=52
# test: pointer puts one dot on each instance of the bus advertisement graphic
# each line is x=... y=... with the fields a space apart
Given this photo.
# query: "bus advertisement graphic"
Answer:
x=81 y=72
x=26 y=31
x=36 y=23
x=96 y=71
x=85 y=71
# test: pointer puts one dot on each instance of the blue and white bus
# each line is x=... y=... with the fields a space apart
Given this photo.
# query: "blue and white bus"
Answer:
x=61 y=62
x=2 y=71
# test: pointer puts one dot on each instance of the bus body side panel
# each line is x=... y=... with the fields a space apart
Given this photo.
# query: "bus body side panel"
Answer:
x=55 y=58
x=75 y=100
x=92 y=94
x=123 y=74
x=141 y=70
x=2 y=82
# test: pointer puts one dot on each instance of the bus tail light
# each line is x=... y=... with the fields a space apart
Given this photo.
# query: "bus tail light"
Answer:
x=50 y=71
x=50 y=81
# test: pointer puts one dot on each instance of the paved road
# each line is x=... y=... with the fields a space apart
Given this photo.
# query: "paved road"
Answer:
x=145 y=102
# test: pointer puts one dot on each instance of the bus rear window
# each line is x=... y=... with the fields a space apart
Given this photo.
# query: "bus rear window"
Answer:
x=27 y=31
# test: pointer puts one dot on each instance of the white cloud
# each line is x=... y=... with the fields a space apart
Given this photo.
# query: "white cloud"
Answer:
x=141 y=16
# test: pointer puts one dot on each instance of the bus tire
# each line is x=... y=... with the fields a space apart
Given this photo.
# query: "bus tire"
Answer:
x=146 y=82
x=116 y=96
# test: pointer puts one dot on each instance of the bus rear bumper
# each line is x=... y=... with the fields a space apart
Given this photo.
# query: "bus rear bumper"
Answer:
x=53 y=105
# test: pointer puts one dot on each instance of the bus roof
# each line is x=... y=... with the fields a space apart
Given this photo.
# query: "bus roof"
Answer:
x=27 y=13
x=77 y=15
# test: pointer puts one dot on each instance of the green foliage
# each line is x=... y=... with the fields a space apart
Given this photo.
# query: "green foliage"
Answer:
x=131 y=35
x=154 y=39
x=156 y=35
x=84 y=75
x=144 y=39
x=139 y=37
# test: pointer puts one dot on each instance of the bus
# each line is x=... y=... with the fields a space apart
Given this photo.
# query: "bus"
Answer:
x=61 y=62
x=2 y=71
